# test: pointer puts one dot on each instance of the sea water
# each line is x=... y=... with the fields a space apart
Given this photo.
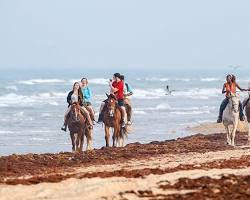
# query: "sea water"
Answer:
x=33 y=102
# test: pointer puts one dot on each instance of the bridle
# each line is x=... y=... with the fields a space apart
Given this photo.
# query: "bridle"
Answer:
x=75 y=111
x=111 y=106
x=235 y=105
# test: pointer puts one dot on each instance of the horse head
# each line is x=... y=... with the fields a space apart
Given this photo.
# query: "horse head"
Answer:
x=111 y=104
x=75 y=111
x=234 y=101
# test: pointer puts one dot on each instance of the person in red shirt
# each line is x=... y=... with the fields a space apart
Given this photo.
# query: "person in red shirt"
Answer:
x=116 y=87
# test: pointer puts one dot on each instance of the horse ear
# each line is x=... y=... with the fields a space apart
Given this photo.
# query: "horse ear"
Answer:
x=107 y=95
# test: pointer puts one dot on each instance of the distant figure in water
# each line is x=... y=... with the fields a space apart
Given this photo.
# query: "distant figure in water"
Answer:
x=168 y=91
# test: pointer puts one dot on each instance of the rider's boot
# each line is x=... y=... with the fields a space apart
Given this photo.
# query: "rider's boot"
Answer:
x=64 y=127
x=65 y=124
x=100 y=118
x=242 y=117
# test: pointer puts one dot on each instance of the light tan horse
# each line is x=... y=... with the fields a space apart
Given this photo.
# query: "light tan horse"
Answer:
x=231 y=117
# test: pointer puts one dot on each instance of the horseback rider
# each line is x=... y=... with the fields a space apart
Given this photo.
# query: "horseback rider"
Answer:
x=87 y=95
x=127 y=93
x=117 y=88
x=230 y=88
x=76 y=96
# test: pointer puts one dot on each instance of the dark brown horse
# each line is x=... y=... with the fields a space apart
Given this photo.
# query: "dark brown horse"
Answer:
x=78 y=128
x=112 y=118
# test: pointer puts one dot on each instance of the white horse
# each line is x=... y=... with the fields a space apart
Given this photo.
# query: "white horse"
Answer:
x=247 y=111
x=231 y=117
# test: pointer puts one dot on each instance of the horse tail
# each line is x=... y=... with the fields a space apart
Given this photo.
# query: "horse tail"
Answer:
x=124 y=132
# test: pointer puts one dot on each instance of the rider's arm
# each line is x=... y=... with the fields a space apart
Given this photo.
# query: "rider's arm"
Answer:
x=129 y=90
x=240 y=88
x=113 y=90
x=87 y=94
x=69 y=98
x=224 y=89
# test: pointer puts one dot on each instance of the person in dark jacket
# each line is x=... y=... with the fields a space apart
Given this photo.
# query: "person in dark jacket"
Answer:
x=76 y=96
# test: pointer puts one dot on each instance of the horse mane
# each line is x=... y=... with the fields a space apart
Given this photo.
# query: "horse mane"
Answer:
x=111 y=96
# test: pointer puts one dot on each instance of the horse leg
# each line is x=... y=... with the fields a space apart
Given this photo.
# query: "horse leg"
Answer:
x=118 y=135
x=78 y=139
x=249 y=133
x=114 y=137
x=122 y=137
x=227 y=132
x=233 y=134
x=107 y=135
x=89 y=139
x=73 y=141
x=81 y=141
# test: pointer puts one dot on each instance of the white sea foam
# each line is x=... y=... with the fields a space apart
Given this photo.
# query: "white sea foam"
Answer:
x=95 y=81
x=52 y=95
x=199 y=93
x=3 y=105
x=149 y=94
x=6 y=132
x=182 y=79
x=210 y=79
x=40 y=81
x=190 y=112
x=19 y=114
x=12 y=99
x=46 y=115
x=12 y=87
x=165 y=79
x=139 y=112
x=160 y=107
x=99 y=81
x=157 y=79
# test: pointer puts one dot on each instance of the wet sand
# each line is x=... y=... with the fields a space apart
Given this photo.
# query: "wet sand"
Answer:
x=199 y=166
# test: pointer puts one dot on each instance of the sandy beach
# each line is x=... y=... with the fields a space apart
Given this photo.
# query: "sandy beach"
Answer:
x=199 y=166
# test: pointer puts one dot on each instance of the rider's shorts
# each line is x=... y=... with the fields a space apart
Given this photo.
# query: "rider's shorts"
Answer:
x=121 y=102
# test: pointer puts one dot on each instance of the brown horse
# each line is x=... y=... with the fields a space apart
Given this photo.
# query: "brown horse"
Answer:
x=78 y=128
x=112 y=118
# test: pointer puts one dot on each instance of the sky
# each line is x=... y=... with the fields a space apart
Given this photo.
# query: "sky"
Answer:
x=142 y=34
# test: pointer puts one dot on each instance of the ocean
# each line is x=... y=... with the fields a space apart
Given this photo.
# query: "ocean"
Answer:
x=33 y=102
